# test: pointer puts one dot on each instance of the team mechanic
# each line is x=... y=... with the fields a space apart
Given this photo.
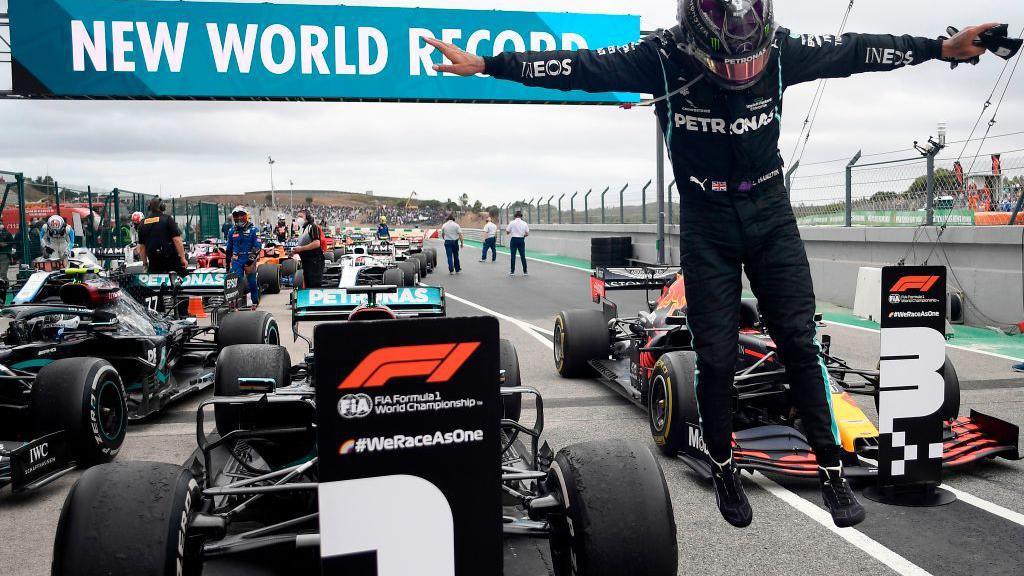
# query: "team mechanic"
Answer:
x=719 y=76
x=243 y=249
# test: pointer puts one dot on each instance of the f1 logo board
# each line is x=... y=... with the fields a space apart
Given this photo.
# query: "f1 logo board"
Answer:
x=912 y=390
x=408 y=437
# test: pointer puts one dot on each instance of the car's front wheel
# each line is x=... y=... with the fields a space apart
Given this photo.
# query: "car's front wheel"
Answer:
x=129 y=518
x=85 y=398
x=616 y=515
x=673 y=375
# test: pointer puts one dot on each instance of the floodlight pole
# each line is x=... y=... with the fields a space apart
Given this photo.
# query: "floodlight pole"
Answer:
x=270 y=161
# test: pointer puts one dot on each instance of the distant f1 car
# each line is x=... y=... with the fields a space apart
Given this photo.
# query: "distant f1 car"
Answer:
x=649 y=359
x=246 y=501
x=378 y=263
x=82 y=358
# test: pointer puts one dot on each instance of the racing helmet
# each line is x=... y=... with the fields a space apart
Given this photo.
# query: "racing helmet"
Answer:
x=240 y=216
x=383 y=219
x=137 y=218
x=280 y=218
x=55 y=225
x=732 y=39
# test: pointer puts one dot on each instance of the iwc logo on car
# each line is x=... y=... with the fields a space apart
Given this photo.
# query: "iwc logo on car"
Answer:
x=355 y=406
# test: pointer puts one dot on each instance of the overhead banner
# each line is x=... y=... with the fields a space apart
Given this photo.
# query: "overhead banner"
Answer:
x=912 y=389
x=214 y=50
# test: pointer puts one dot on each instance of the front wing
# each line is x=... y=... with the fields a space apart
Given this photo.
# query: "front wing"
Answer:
x=784 y=450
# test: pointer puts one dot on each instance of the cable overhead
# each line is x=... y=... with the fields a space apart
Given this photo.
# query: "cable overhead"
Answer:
x=819 y=93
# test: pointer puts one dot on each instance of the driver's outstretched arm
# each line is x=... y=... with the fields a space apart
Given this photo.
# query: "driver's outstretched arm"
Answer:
x=635 y=67
x=631 y=68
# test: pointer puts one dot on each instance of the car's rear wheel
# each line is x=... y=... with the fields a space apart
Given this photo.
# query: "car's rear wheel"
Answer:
x=298 y=283
x=616 y=516
x=511 y=406
x=394 y=277
x=289 y=267
x=73 y=394
x=338 y=253
x=411 y=271
x=129 y=518
x=421 y=260
x=250 y=361
x=665 y=397
x=268 y=277
x=580 y=336
x=245 y=327
x=432 y=254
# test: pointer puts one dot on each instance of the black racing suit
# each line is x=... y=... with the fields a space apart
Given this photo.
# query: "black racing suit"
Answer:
x=735 y=210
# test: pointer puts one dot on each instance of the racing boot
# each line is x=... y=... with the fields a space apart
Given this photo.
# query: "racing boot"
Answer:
x=839 y=498
x=732 y=501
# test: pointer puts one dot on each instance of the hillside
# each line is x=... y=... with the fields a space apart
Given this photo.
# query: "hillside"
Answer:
x=329 y=198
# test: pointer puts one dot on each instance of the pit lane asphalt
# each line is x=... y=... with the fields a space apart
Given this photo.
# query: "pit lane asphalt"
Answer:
x=786 y=536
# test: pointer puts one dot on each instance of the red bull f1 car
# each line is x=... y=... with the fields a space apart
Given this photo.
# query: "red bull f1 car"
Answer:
x=649 y=359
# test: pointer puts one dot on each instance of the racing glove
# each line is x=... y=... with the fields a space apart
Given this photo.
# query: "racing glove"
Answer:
x=996 y=40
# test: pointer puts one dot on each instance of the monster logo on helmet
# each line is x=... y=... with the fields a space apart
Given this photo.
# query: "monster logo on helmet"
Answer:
x=732 y=39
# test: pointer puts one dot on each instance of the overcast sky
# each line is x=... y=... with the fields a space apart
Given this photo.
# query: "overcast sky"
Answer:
x=495 y=153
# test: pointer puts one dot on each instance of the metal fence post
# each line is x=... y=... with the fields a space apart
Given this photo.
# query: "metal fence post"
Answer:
x=929 y=206
x=643 y=200
x=560 y=208
x=91 y=240
x=586 y=206
x=789 y=177
x=539 y=200
x=572 y=207
x=56 y=195
x=117 y=219
x=602 y=202
x=26 y=256
x=849 y=188
x=622 y=210
x=660 y=173
x=669 y=196
x=501 y=210
x=549 y=208
x=529 y=210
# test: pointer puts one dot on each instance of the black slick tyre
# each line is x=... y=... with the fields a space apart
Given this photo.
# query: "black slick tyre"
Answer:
x=129 y=518
x=289 y=267
x=511 y=406
x=422 y=261
x=256 y=361
x=245 y=327
x=616 y=515
x=72 y=394
x=580 y=336
x=432 y=255
x=268 y=276
x=673 y=371
x=411 y=271
x=394 y=277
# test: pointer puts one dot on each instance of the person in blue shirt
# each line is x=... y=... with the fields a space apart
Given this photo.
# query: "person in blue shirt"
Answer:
x=243 y=249
x=226 y=229
x=383 y=233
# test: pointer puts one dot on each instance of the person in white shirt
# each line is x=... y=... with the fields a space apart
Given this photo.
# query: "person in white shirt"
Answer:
x=490 y=241
x=451 y=233
x=518 y=230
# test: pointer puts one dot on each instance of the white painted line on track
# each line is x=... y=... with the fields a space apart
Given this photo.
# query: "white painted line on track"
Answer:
x=525 y=326
x=876 y=550
x=954 y=346
x=1005 y=513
